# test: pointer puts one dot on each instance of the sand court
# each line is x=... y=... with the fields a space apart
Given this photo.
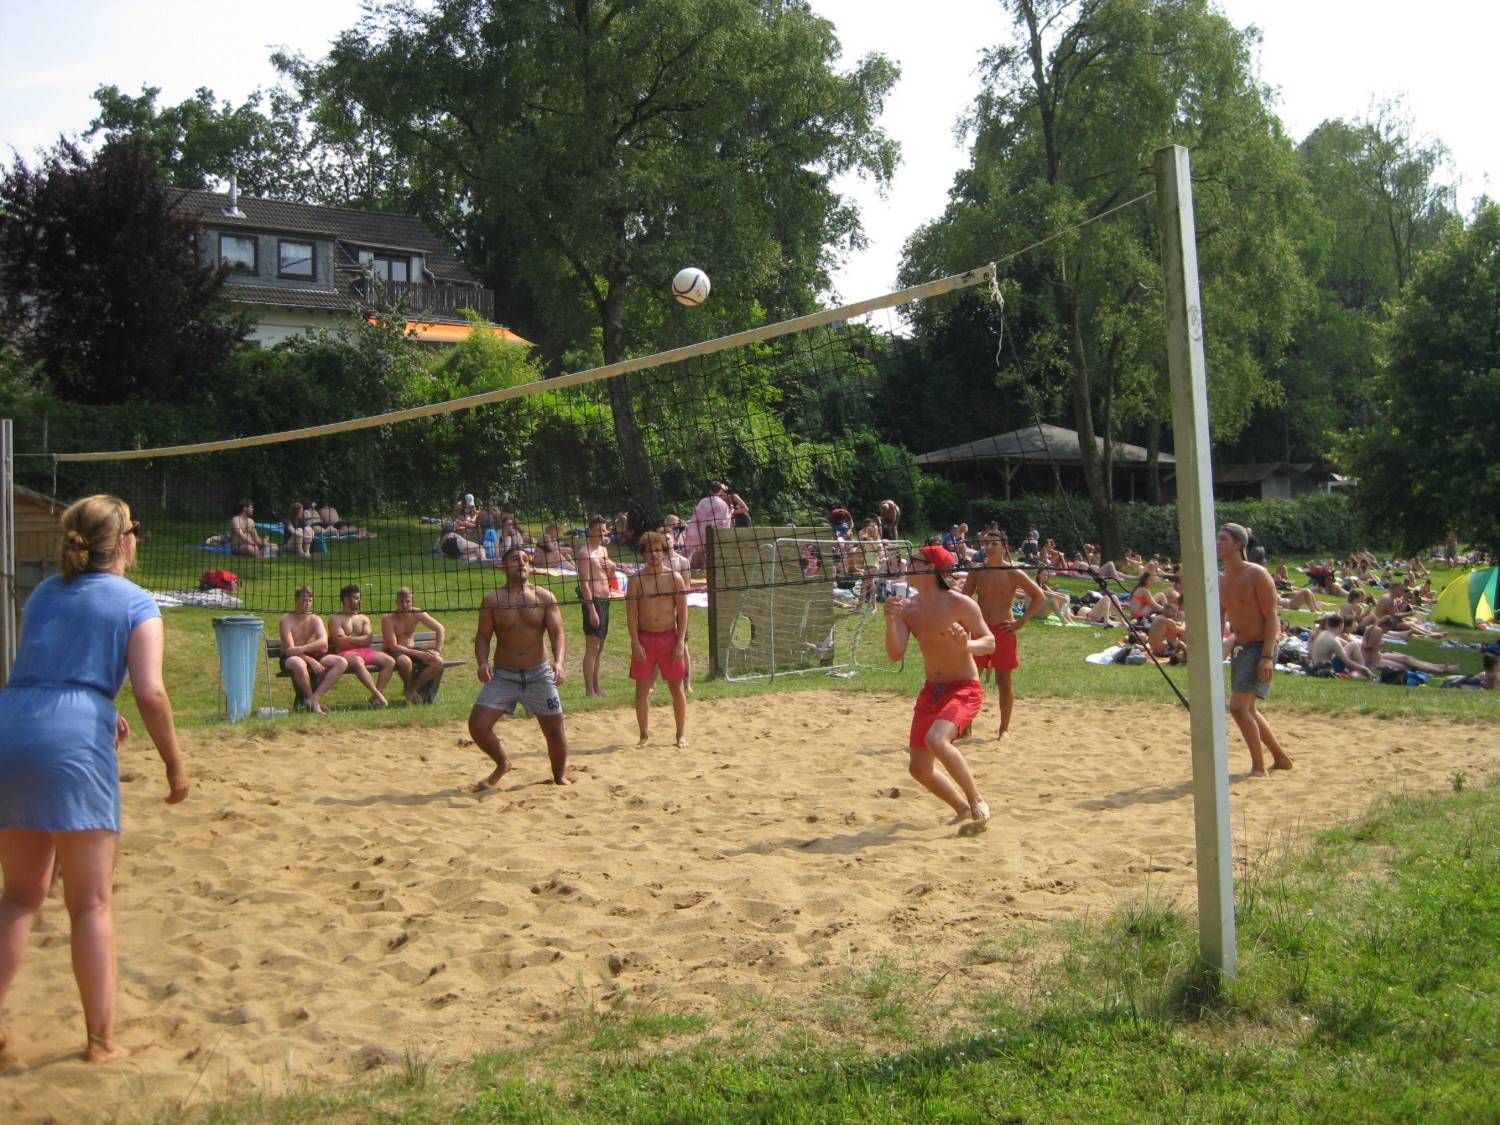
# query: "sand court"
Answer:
x=329 y=899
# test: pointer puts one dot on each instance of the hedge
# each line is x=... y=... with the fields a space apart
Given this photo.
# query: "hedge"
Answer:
x=1312 y=524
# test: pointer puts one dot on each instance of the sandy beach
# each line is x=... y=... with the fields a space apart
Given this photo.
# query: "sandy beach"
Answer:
x=326 y=901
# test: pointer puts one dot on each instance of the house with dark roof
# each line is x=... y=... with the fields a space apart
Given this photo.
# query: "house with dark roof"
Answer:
x=296 y=266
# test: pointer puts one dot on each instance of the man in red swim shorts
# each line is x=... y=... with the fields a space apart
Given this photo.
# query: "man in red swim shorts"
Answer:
x=950 y=631
x=995 y=586
x=656 y=611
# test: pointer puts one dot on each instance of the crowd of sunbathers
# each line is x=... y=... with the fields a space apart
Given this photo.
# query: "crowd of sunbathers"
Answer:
x=1372 y=604
x=306 y=525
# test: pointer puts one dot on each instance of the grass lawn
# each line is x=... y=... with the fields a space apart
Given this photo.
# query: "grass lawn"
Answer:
x=1368 y=990
x=1051 y=665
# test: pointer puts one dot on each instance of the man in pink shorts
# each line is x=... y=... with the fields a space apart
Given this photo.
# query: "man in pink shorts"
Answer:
x=656 y=611
x=995 y=587
x=950 y=631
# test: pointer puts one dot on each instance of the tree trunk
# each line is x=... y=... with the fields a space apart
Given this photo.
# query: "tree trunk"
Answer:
x=1153 y=459
x=638 y=480
x=1111 y=543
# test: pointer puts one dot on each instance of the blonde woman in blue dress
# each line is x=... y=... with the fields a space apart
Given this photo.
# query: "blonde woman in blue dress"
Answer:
x=59 y=778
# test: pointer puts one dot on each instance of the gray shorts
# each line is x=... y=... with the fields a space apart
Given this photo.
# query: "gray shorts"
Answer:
x=1244 y=670
x=534 y=688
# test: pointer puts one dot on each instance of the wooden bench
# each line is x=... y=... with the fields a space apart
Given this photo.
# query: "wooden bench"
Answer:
x=418 y=640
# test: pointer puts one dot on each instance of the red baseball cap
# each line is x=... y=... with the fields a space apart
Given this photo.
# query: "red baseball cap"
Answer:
x=940 y=557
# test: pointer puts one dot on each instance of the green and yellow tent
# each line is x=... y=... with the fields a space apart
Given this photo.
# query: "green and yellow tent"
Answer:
x=1469 y=599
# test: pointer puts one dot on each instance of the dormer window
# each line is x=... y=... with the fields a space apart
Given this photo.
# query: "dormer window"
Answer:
x=238 y=252
x=295 y=259
x=387 y=267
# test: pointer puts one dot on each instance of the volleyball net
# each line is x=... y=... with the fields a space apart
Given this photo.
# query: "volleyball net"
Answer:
x=431 y=496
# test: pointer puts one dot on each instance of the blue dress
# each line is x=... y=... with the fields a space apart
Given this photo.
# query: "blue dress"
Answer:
x=57 y=714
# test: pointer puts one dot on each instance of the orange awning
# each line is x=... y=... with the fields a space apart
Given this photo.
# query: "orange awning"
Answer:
x=431 y=333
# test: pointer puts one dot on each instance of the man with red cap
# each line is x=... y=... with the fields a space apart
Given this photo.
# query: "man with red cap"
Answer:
x=950 y=631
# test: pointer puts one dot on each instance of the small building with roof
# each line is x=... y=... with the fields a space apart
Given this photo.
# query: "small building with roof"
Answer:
x=296 y=266
x=1043 y=458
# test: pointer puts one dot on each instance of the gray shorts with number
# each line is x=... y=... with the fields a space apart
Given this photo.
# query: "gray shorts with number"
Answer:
x=1244 y=670
x=533 y=688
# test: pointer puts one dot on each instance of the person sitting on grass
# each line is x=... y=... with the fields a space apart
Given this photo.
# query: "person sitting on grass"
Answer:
x=1167 y=637
x=417 y=667
x=350 y=634
x=656 y=613
x=1053 y=600
x=305 y=656
x=299 y=532
x=244 y=536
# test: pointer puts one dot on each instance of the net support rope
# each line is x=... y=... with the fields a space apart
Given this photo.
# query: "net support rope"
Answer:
x=980 y=275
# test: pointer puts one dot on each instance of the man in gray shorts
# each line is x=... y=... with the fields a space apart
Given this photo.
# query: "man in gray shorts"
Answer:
x=516 y=618
x=1247 y=600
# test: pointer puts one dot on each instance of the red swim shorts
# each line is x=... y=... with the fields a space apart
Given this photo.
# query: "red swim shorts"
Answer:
x=1004 y=657
x=363 y=653
x=958 y=703
x=660 y=650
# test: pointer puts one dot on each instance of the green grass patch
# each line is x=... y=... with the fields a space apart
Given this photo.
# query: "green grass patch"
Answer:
x=1368 y=989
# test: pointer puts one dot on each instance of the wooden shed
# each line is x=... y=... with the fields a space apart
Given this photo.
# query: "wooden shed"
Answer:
x=38 y=540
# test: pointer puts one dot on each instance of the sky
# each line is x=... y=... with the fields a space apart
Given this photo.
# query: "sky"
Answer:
x=1325 y=58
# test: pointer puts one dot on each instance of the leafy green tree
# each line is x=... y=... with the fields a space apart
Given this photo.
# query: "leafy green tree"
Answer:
x=590 y=149
x=1430 y=459
x=104 y=286
x=199 y=142
x=1063 y=134
x=1378 y=204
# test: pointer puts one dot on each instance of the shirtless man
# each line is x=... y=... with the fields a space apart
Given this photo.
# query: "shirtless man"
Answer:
x=890 y=519
x=1167 y=636
x=1247 y=600
x=995 y=587
x=417 y=667
x=950 y=631
x=244 y=536
x=656 y=612
x=595 y=569
x=550 y=550
x=305 y=656
x=350 y=633
x=516 y=618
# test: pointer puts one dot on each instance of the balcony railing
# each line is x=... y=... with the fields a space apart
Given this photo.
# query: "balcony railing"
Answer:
x=421 y=297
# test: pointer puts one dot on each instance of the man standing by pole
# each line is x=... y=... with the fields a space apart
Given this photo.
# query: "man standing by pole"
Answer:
x=1247 y=599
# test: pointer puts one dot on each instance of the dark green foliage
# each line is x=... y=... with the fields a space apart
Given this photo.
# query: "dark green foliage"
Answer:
x=104 y=288
x=1309 y=524
x=1428 y=462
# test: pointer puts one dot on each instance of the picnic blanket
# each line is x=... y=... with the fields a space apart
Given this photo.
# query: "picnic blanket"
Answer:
x=205 y=599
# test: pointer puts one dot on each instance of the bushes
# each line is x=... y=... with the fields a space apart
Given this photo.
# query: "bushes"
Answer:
x=1306 y=525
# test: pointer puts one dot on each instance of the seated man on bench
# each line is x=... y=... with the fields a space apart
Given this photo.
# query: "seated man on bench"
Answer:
x=351 y=636
x=417 y=667
x=305 y=656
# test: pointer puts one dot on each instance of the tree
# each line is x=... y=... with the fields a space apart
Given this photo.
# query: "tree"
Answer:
x=590 y=149
x=1377 y=206
x=197 y=143
x=1428 y=463
x=1063 y=134
x=104 y=286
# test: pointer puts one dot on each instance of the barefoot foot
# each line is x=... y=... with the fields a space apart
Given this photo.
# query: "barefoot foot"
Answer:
x=642 y=742
x=1260 y=771
x=103 y=1048
x=378 y=701
x=1282 y=763
x=488 y=783
x=681 y=742
x=564 y=780
x=412 y=696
